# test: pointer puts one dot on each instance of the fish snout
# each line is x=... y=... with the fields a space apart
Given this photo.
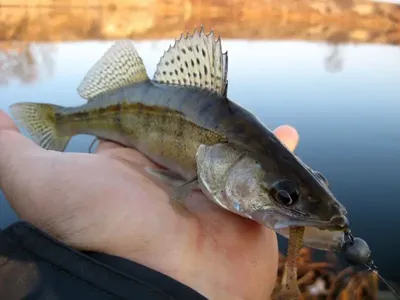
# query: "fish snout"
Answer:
x=339 y=222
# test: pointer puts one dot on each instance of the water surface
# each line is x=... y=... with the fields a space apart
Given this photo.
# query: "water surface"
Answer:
x=344 y=101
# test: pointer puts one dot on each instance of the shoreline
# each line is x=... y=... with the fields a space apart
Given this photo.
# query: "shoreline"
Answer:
x=313 y=20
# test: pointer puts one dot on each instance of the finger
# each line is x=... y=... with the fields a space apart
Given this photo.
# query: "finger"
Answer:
x=288 y=135
x=11 y=139
x=6 y=123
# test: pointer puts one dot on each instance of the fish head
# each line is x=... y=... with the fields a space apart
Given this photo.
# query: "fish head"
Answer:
x=287 y=193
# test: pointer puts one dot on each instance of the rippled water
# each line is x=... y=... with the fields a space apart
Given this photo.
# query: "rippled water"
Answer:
x=344 y=100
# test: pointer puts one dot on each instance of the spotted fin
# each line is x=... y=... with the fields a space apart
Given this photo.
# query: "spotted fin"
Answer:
x=197 y=61
x=120 y=66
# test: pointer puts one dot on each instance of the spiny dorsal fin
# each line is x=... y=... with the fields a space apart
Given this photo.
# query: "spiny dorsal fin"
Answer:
x=120 y=66
x=197 y=61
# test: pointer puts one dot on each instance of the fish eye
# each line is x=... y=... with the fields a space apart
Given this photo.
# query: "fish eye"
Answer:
x=321 y=177
x=284 y=198
x=285 y=192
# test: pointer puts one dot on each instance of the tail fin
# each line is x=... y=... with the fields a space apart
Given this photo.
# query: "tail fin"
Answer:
x=39 y=120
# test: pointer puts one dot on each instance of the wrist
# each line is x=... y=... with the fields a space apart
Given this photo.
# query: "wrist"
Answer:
x=223 y=276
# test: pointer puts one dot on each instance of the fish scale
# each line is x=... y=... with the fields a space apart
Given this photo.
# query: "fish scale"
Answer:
x=183 y=120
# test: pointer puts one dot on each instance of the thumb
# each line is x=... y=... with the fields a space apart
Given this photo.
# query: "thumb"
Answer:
x=288 y=135
x=6 y=123
x=13 y=146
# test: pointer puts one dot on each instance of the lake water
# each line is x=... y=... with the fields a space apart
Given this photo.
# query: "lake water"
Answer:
x=344 y=100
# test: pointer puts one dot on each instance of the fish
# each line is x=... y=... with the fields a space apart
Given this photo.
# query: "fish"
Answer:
x=183 y=120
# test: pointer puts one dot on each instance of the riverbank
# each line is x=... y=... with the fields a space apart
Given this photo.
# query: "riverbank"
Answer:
x=333 y=20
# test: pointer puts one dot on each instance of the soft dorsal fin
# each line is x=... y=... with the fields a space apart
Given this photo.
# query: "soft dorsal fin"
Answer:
x=121 y=65
x=197 y=61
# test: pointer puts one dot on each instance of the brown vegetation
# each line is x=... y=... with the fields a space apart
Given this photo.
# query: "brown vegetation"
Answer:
x=327 y=280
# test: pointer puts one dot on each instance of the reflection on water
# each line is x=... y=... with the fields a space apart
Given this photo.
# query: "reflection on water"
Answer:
x=334 y=61
x=335 y=22
x=25 y=62
x=348 y=120
x=28 y=62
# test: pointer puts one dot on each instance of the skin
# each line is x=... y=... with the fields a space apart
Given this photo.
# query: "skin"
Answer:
x=104 y=202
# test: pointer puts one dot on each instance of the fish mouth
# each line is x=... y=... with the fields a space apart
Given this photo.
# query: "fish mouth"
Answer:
x=318 y=238
x=276 y=220
x=336 y=223
x=319 y=234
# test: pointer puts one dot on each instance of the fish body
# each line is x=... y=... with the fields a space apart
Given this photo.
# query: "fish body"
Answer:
x=183 y=120
x=166 y=123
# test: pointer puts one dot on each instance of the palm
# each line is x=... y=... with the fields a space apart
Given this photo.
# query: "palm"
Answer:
x=106 y=202
x=210 y=241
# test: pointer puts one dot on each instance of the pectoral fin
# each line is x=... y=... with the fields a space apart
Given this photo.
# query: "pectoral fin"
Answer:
x=181 y=193
x=182 y=187
x=167 y=176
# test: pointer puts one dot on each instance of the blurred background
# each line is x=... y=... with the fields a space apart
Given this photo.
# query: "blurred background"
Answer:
x=331 y=68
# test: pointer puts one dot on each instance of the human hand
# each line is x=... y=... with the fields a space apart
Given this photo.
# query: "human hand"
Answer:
x=105 y=202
